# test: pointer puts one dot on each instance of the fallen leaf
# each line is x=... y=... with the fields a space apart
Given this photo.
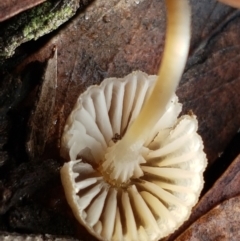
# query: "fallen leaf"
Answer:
x=226 y=187
x=211 y=88
x=234 y=3
x=221 y=223
x=208 y=18
x=9 y=8
x=43 y=113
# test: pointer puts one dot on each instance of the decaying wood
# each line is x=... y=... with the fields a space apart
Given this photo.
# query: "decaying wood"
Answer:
x=34 y=23
x=25 y=180
x=33 y=237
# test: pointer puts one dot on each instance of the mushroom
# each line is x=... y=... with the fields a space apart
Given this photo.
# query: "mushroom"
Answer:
x=135 y=168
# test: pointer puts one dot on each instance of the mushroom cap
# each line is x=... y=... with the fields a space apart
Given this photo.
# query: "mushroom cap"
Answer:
x=169 y=166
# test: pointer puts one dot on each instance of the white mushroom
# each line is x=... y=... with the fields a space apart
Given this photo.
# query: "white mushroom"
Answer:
x=135 y=169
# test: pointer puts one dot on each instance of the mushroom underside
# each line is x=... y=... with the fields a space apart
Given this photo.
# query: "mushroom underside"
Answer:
x=164 y=175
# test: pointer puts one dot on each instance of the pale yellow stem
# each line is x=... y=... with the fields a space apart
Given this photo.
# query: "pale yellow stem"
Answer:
x=122 y=160
x=172 y=66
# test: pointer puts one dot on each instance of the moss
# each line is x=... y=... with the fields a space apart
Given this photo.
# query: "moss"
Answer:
x=34 y=23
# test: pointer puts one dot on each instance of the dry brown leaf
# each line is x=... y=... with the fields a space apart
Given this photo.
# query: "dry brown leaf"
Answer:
x=234 y=3
x=43 y=112
x=114 y=38
x=211 y=88
x=221 y=223
x=226 y=187
x=208 y=17
x=9 y=8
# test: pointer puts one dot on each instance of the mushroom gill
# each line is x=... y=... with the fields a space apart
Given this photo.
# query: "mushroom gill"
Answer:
x=135 y=168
